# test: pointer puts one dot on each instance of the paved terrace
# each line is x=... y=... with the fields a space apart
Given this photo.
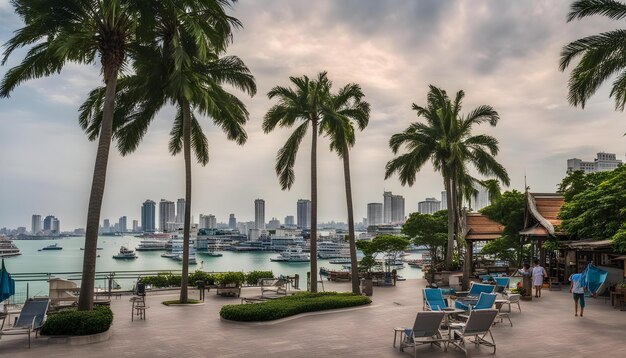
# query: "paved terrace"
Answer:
x=546 y=327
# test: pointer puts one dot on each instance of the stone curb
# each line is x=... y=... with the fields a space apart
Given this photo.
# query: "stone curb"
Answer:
x=80 y=340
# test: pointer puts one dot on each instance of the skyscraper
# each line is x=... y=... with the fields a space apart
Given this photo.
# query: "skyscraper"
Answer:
x=603 y=162
x=167 y=214
x=289 y=220
x=122 y=224
x=397 y=209
x=444 y=200
x=273 y=224
x=304 y=214
x=148 y=216
x=386 y=207
x=36 y=224
x=429 y=206
x=374 y=213
x=56 y=226
x=232 y=222
x=180 y=211
x=135 y=225
x=47 y=223
x=259 y=214
x=106 y=226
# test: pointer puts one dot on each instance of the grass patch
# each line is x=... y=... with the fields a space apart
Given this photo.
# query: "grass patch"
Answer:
x=177 y=302
x=292 y=305
x=78 y=323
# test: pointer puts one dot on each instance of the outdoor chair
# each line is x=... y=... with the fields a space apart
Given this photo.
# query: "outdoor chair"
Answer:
x=485 y=301
x=425 y=330
x=433 y=299
x=478 y=325
x=30 y=320
x=513 y=299
x=476 y=289
x=276 y=285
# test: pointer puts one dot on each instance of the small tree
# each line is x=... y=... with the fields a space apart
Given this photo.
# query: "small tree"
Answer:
x=430 y=231
x=389 y=245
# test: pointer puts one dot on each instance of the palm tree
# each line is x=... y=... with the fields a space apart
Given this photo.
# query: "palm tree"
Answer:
x=601 y=56
x=446 y=140
x=185 y=70
x=345 y=108
x=308 y=102
x=80 y=31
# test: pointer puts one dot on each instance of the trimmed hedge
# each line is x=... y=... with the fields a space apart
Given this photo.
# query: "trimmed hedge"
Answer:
x=253 y=277
x=292 y=305
x=78 y=323
x=165 y=279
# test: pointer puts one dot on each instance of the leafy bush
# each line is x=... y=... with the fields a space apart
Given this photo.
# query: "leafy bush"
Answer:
x=163 y=279
x=78 y=323
x=253 y=277
x=177 y=302
x=292 y=305
x=230 y=278
x=208 y=278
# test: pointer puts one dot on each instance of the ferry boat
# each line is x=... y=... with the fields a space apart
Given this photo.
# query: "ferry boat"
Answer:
x=51 y=247
x=152 y=245
x=212 y=253
x=125 y=253
x=331 y=249
x=177 y=251
x=292 y=254
x=8 y=248
x=340 y=261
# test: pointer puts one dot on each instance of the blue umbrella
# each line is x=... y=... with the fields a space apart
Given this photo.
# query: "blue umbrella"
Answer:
x=7 y=284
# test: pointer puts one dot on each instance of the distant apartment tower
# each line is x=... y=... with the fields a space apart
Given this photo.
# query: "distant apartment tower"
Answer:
x=148 y=216
x=135 y=225
x=207 y=222
x=304 y=213
x=273 y=224
x=397 y=209
x=47 y=223
x=429 y=206
x=122 y=224
x=36 y=224
x=481 y=200
x=289 y=221
x=259 y=214
x=180 y=211
x=374 y=214
x=232 y=222
x=602 y=163
x=387 y=207
x=106 y=226
x=167 y=214
x=444 y=200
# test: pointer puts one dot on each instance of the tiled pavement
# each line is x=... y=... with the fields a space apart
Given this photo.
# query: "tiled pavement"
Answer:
x=545 y=328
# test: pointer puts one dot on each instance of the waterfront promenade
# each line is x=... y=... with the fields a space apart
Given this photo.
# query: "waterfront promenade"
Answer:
x=546 y=327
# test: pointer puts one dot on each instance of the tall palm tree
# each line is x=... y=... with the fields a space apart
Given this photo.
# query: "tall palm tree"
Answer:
x=347 y=107
x=182 y=68
x=446 y=140
x=80 y=31
x=601 y=56
x=308 y=102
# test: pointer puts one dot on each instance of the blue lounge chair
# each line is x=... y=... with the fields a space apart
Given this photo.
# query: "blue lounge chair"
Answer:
x=476 y=289
x=502 y=282
x=30 y=320
x=433 y=299
x=485 y=301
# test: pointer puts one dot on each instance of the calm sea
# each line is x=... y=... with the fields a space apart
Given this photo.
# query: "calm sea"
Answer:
x=70 y=259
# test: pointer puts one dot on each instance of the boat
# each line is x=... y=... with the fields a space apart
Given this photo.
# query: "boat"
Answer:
x=152 y=245
x=125 y=253
x=177 y=251
x=331 y=249
x=400 y=278
x=98 y=248
x=212 y=253
x=340 y=261
x=8 y=248
x=292 y=254
x=51 y=247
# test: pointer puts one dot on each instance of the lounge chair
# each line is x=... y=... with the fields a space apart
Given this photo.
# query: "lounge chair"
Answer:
x=30 y=320
x=513 y=299
x=276 y=285
x=476 y=289
x=478 y=325
x=502 y=284
x=433 y=299
x=425 y=330
x=485 y=301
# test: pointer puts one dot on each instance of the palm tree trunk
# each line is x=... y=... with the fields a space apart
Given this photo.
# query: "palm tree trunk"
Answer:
x=85 y=300
x=313 y=239
x=354 y=268
x=451 y=224
x=184 y=281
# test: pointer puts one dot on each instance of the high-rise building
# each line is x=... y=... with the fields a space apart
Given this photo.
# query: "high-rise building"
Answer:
x=167 y=214
x=208 y=222
x=56 y=226
x=106 y=226
x=374 y=214
x=36 y=224
x=387 y=207
x=47 y=223
x=603 y=162
x=232 y=222
x=397 y=209
x=135 y=225
x=429 y=206
x=289 y=220
x=122 y=224
x=148 y=216
x=444 y=200
x=479 y=201
x=180 y=211
x=304 y=213
x=259 y=214
x=273 y=224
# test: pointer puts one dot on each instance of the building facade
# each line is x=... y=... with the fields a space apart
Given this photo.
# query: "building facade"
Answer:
x=122 y=224
x=603 y=162
x=387 y=195
x=444 y=200
x=180 y=211
x=36 y=224
x=289 y=220
x=148 y=216
x=232 y=221
x=167 y=214
x=397 y=209
x=429 y=206
x=259 y=214
x=304 y=214
x=374 y=213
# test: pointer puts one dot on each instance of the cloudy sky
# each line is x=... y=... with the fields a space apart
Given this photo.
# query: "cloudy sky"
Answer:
x=501 y=53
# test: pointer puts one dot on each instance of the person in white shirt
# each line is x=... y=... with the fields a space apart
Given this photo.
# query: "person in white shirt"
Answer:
x=578 y=292
x=538 y=274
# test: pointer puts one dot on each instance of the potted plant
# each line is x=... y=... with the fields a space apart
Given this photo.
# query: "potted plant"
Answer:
x=620 y=288
x=230 y=283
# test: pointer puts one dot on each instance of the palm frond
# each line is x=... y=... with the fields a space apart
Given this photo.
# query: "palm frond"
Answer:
x=610 y=8
x=286 y=157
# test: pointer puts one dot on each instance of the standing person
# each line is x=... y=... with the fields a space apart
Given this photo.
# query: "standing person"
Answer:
x=578 y=292
x=538 y=273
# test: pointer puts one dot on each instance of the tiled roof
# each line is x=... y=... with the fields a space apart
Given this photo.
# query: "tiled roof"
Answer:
x=479 y=227
x=544 y=207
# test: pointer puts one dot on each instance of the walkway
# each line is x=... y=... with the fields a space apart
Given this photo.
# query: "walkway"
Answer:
x=546 y=327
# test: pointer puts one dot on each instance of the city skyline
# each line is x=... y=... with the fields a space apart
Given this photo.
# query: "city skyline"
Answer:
x=518 y=59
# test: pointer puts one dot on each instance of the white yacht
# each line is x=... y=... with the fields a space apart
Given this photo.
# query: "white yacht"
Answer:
x=292 y=254
x=8 y=248
x=177 y=251
x=331 y=249
x=152 y=245
x=125 y=253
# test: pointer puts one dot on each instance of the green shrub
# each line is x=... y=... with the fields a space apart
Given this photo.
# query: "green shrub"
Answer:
x=78 y=323
x=292 y=305
x=177 y=302
x=231 y=278
x=253 y=277
x=208 y=278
